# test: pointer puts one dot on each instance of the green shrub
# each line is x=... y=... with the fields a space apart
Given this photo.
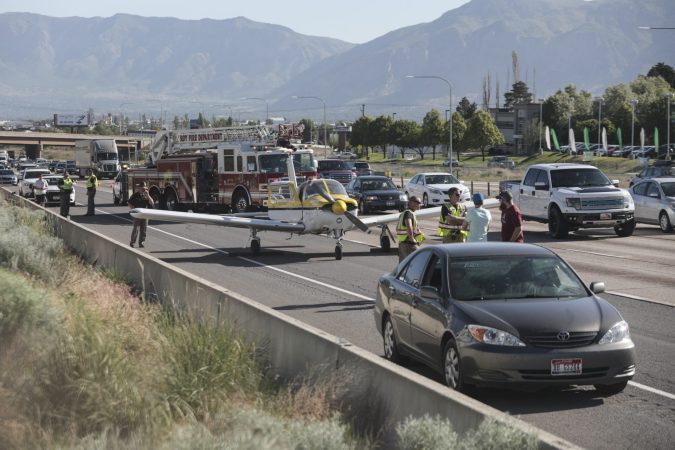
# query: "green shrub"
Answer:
x=208 y=366
x=426 y=433
x=495 y=435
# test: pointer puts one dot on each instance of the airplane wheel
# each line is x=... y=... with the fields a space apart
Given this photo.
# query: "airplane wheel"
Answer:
x=385 y=243
x=255 y=246
x=338 y=252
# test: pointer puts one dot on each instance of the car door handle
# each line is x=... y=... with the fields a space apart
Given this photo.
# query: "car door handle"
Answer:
x=392 y=290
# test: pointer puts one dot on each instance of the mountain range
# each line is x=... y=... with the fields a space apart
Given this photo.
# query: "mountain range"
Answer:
x=67 y=65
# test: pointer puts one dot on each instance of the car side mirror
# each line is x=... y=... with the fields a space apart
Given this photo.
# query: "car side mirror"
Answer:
x=597 y=287
x=429 y=292
x=540 y=186
x=615 y=183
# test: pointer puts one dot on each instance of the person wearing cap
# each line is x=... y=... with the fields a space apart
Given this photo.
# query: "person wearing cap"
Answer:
x=92 y=184
x=512 y=219
x=65 y=185
x=477 y=220
x=452 y=219
x=408 y=234
x=140 y=199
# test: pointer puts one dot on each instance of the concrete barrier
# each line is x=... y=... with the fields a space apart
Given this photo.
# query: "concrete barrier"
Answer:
x=294 y=349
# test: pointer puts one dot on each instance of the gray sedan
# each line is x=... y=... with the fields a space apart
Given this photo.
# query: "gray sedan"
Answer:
x=502 y=314
x=655 y=202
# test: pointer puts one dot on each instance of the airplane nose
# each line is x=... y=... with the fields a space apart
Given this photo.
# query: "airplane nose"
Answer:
x=339 y=207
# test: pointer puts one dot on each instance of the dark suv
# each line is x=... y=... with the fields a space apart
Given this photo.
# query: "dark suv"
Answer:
x=337 y=169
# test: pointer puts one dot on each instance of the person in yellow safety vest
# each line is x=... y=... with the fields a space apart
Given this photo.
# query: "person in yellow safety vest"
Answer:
x=408 y=234
x=92 y=184
x=452 y=219
x=65 y=188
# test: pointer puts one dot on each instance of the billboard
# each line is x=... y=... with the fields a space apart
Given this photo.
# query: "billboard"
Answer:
x=72 y=120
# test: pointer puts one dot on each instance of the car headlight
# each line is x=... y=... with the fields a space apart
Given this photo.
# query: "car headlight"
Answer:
x=493 y=336
x=435 y=191
x=672 y=206
x=628 y=201
x=574 y=202
x=371 y=198
x=404 y=198
x=618 y=333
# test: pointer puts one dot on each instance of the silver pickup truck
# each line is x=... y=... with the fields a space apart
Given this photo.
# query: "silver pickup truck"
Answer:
x=572 y=196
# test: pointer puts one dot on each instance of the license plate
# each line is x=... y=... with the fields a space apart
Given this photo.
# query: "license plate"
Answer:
x=566 y=366
x=605 y=216
x=391 y=203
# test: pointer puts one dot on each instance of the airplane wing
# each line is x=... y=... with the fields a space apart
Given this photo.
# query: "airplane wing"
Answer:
x=210 y=219
x=428 y=212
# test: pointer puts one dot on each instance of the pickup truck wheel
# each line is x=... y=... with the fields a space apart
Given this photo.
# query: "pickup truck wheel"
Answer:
x=664 y=222
x=557 y=226
x=625 y=229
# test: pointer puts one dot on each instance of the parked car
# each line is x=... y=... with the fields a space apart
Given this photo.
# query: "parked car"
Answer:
x=433 y=187
x=7 y=176
x=28 y=177
x=376 y=193
x=53 y=194
x=447 y=163
x=363 y=168
x=660 y=169
x=655 y=202
x=502 y=314
x=502 y=162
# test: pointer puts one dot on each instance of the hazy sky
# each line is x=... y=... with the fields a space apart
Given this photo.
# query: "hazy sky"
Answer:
x=354 y=21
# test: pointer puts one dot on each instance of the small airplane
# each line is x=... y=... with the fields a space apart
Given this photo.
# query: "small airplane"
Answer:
x=320 y=206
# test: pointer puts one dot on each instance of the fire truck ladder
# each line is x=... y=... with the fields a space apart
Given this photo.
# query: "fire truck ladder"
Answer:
x=177 y=141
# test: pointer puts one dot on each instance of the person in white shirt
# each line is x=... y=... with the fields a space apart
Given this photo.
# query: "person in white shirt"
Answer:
x=40 y=189
x=477 y=220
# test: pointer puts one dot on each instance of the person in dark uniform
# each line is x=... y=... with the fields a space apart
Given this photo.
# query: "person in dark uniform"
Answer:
x=140 y=199
x=92 y=184
x=65 y=189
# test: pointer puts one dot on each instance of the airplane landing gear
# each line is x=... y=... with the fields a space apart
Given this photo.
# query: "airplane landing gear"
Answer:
x=338 y=251
x=255 y=245
x=385 y=235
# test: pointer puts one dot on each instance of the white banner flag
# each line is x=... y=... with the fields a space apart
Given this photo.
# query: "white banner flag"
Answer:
x=604 y=139
x=572 y=143
x=547 y=136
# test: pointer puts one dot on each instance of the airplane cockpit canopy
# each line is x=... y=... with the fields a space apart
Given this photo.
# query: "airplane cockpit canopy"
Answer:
x=315 y=187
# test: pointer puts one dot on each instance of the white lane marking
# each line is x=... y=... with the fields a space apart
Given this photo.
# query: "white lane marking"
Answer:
x=330 y=286
x=252 y=261
x=593 y=253
x=652 y=390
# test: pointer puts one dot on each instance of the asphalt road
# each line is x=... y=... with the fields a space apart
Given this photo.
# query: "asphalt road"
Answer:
x=300 y=277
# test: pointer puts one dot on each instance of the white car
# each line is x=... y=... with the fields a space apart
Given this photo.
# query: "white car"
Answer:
x=27 y=178
x=53 y=195
x=432 y=188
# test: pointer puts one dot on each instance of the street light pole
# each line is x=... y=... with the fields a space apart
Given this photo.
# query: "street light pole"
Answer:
x=599 y=118
x=669 y=97
x=325 y=125
x=541 y=103
x=267 y=107
x=450 y=104
x=632 y=123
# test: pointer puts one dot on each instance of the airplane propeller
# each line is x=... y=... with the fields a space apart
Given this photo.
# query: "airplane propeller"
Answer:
x=339 y=207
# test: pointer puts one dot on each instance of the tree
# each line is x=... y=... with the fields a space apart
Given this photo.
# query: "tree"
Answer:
x=432 y=131
x=482 y=132
x=466 y=108
x=664 y=71
x=519 y=94
x=360 y=135
x=381 y=134
x=405 y=134
x=307 y=134
x=458 y=133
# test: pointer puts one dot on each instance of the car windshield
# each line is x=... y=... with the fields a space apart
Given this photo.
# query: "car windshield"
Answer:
x=6 y=172
x=441 y=179
x=578 y=178
x=668 y=189
x=513 y=277
x=334 y=165
x=376 y=185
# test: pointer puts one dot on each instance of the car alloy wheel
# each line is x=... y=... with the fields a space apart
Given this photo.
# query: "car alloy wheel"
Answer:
x=664 y=222
x=389 y=341
x=425 y=201
x=452 y=366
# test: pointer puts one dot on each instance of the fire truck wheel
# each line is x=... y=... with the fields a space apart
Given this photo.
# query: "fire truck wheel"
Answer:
x=170 y=200
x=240 y=202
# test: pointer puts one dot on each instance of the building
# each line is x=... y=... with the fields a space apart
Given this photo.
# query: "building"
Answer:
x=514 y=125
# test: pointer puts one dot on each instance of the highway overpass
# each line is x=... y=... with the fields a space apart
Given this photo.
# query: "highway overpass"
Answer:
x=34 y=142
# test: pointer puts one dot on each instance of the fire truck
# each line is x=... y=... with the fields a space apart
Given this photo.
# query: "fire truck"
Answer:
x=218 y=169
